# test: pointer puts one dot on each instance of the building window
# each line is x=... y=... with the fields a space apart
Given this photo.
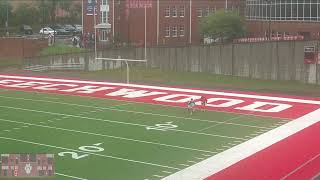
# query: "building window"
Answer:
x=174 y=12
x=174 y=31
x=289 y=10
x=167 y=11
x=103 y=18
x=104 y=2
x=103 y=35
x=199 y=12
x=167 y=31
x=206 y=12
x=181 y=30
x=182 y=11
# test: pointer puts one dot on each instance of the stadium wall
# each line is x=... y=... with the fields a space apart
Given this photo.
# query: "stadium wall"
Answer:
x=269 y=60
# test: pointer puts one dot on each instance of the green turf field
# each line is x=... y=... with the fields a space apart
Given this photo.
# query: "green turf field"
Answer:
x=122 y=137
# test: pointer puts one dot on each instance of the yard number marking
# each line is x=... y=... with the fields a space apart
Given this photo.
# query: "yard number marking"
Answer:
x=162 y=127
x=93 y=149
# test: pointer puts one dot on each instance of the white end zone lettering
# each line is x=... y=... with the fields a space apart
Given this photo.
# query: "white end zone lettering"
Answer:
x=7 y=81
x=275 y=107
x=87 y=89
x=27 y=84
x=54 y=87
x=177 y=98
x=133 y=93
x=225 y=102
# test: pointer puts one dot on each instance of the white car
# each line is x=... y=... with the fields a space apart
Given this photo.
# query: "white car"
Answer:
x=46 y=31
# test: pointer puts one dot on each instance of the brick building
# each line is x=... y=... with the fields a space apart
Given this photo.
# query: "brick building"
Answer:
x=169 y=22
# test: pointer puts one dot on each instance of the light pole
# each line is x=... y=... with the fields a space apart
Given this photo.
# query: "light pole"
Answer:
x=7 y=19
x=269 y=19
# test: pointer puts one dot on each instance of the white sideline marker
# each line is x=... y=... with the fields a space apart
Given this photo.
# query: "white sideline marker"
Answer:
x=73 y=177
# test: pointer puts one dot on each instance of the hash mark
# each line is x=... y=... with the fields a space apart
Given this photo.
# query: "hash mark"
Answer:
x=184 y=165
x=167 y=172
x=158 y=176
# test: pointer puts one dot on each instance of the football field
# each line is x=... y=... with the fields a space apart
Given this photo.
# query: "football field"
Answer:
x=105 y=138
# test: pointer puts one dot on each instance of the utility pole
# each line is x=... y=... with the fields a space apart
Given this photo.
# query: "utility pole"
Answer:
x=7 y=19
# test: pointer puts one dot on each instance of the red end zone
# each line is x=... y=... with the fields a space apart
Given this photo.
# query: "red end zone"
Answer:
x=251 y=104
x=294 y=158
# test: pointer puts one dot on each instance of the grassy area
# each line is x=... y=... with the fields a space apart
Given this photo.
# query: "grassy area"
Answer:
x=5 y=63
x=204 y=80
x=60 y=49
x=100 y=139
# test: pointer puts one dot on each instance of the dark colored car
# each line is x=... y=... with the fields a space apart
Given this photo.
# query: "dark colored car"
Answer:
x=59 y=30
x=69 y=28
x=26 y=29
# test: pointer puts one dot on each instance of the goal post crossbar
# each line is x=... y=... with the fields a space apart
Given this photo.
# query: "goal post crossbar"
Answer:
x=119 y=59
x=126 y=61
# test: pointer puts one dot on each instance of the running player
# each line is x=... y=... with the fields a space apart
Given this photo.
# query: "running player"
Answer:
x=203 y=102
x=191 y=105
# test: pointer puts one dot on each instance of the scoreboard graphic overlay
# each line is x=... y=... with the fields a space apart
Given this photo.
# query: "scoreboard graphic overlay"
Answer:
x=27 y=165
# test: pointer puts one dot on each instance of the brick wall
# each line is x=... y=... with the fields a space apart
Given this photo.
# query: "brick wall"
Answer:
x=18 y=48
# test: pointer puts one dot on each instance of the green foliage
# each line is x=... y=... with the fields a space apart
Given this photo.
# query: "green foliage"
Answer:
x=224 y=25
x=60 y=49
x=3 y=12
x=26 y=14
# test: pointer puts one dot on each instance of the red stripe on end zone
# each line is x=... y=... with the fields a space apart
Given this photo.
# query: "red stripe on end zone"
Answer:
x=294 y=158
x=259 y=105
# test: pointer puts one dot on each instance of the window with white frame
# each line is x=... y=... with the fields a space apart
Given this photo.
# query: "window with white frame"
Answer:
x=174 y=11
x=167 y=11
x=167 y=31
x=206 y=12
x=199 y=12
x=103 y=35
x=103 y=18
x=182 y=11
x=283 y=10
x=104 y=2
x=181 y=30
x=174 y=31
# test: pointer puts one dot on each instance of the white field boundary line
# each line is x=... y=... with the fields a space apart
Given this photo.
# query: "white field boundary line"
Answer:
x=168 y=89
x=120 y=122
x=138 y=112
x=301 y=166
x=237 y=153
x=108 y=136
x=73 y=177
x=94 y=154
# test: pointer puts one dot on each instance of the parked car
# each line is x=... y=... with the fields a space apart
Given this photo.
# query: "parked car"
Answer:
x=46 y=31
x=69 y=28
x=78 y=28
x=26 y=30
x=59 y=30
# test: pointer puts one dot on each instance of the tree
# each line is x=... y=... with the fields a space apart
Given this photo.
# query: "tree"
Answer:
x=26 y=14
x=3 y=12
x=223 y=26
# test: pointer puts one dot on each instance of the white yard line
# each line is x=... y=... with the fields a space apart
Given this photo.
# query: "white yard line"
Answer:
x=119 y=122
x=301 y=166
x=215 y=125
x=135 y=112
x=73 y=177
x=108 y=136
x=95 y=154
x=231 y=156
x=169 y=89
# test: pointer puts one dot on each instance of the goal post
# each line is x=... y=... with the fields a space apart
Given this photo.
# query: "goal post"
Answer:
x=127 y=64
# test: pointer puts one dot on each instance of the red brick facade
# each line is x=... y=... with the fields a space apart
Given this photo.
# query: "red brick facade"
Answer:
x=311 y=30
x=129 y=20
